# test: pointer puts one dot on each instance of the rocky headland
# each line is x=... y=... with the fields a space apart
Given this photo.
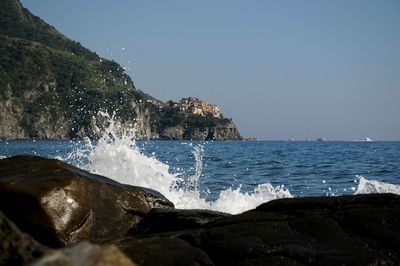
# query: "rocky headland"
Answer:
x=51 y=88
x=53 y=213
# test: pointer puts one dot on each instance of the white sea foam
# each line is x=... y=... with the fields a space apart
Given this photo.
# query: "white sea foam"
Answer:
x=117 y=156
x=236 y=201
x=366 y=186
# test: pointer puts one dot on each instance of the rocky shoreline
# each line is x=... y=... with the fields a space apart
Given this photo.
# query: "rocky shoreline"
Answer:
x=53 y=213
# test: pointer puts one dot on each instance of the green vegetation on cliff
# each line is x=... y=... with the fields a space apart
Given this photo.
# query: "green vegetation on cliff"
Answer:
x=41 y=80
x=17 y=21
x=52 y=87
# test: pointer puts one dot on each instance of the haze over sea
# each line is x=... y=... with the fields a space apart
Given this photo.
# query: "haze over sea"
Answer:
x=231 y=176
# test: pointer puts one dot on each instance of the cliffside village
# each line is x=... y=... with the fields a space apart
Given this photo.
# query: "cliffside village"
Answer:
x=190 y=105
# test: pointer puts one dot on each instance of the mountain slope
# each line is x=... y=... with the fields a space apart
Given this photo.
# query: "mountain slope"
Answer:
x=51 y=87
x=17 y=21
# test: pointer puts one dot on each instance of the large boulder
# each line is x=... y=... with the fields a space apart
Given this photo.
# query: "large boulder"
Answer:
x=346 y=230
x=16 y=247
x=60 y=204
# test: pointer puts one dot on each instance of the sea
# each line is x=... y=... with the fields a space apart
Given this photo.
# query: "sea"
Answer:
x=228 y=176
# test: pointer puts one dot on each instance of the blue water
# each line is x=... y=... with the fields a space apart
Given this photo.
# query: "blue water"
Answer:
x=304 y=168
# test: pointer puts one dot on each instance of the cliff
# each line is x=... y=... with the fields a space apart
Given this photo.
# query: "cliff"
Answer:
x=52 y=87
x=226 y=131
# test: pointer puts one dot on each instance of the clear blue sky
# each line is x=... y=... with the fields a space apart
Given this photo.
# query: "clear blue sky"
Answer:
x=280 y=69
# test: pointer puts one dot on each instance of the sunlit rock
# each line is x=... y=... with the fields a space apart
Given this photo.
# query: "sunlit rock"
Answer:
x=60 y=204
x=85 y=254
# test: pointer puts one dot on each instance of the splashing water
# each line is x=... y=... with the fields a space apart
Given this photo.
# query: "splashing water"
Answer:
x=237 y=202
x=366 y=186
x=116 y=156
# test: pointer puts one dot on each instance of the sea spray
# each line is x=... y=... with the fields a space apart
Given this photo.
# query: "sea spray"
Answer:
x=193 y=181
x=366 y=186
x=117 y=156
x=236 y=201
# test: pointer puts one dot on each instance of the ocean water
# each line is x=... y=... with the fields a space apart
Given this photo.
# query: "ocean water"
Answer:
x=229 y=176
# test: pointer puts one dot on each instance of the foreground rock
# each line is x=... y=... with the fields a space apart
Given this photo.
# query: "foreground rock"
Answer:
x=16 y=248
x=165 y=220
x=85 y=254
x=60 y=204
x=351 y=230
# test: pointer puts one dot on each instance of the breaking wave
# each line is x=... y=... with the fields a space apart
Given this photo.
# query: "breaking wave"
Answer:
x=117 y=156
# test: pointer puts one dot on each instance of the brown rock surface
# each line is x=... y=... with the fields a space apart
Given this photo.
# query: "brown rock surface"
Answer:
x=60 y=204
x=85 y=254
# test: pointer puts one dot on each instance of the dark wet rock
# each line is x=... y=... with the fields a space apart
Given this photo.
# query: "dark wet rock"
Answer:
x=347 y=230
x=85 y=254
x=162 y=251
x=164 y=220
x=17 y=248
x=60 y=204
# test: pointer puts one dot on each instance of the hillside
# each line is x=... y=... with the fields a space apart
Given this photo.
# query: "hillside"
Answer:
x=51 y=88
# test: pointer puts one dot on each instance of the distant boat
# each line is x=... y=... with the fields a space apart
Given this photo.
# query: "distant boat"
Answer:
x=367 y=139
x=321 y=139
x=291 y=139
